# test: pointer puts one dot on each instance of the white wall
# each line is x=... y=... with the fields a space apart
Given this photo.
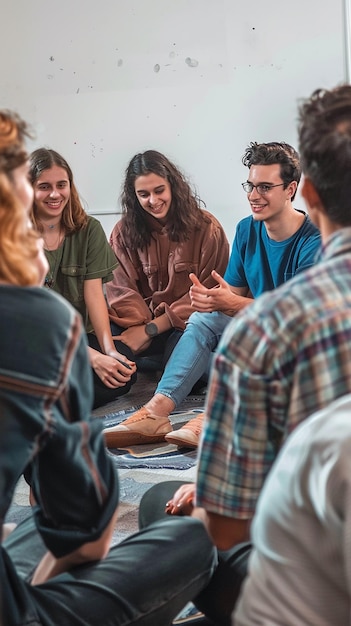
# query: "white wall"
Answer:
x=195 y=79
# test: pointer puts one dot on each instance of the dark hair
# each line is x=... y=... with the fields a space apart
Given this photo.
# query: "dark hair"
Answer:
x=325 y=144
x=185 y=211
x=74 y=216
x=272 y=153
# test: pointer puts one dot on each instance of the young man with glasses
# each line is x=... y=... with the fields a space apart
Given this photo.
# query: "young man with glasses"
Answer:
x=271 y=246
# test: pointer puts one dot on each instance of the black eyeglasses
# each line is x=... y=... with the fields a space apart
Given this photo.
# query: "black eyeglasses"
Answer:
x=261 y=189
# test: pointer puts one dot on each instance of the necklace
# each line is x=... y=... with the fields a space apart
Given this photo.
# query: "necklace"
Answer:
x=54 y=258
x=51 y=243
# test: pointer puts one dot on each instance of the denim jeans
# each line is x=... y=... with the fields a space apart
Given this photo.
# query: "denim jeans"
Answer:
x=192 y=356
x=144 y=580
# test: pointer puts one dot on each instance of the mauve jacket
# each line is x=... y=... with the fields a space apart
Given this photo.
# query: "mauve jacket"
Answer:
x=155 y=280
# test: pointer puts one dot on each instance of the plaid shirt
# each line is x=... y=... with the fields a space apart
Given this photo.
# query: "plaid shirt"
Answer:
x=285 y=356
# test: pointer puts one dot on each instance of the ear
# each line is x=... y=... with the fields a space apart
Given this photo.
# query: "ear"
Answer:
x=292 y=188
x=311 y=196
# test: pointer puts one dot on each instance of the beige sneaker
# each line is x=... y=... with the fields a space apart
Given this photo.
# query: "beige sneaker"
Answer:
x=188 y=435
x=140 y=427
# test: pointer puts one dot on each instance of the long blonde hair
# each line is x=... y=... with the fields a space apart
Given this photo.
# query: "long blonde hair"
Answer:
x=18 y=241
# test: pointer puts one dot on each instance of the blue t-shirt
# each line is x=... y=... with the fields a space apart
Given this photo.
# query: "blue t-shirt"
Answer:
x=262 y=264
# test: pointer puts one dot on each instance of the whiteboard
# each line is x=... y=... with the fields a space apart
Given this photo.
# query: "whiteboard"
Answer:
x=196 y=79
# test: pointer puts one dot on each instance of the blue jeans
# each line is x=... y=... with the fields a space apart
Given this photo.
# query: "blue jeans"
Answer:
x=144 y=580
x=192 y=356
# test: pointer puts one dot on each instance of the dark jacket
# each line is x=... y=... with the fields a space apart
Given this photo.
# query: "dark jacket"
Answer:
x=45 y=404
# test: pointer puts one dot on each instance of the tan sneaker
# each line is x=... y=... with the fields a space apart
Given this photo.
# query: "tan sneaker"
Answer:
x=188 y=435
x=140 y=427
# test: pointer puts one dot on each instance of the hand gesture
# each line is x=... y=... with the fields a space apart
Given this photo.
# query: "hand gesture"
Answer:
x=217 y=298
x=182 y=502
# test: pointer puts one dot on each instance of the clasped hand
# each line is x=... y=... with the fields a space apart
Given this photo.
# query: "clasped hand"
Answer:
x=111 y=369
x=208 y=300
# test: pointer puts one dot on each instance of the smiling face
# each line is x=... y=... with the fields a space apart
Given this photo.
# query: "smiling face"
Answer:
x=154 y=195
x=51 y=193
x=271 y=204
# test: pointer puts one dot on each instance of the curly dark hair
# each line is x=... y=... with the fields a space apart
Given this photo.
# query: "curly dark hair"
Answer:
x=272 y=153
x=74 y=217
x=324 y=129
x=185 y=211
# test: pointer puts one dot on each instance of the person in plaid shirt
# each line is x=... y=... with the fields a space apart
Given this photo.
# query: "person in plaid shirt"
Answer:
x=282 y=358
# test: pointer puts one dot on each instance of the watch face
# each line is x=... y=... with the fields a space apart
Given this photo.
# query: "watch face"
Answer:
x=151 y=329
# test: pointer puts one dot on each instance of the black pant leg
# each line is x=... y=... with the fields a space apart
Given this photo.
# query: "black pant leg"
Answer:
x=218 y=599
x=103 y=394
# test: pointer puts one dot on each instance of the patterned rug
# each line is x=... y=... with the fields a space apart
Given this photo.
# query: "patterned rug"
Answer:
x=139 y=467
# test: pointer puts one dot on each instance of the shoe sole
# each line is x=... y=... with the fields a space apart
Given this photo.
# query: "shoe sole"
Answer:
x=180 y=442
x=121 y=440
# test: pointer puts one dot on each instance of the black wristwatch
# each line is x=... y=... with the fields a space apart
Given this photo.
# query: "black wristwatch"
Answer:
x=151 y=329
